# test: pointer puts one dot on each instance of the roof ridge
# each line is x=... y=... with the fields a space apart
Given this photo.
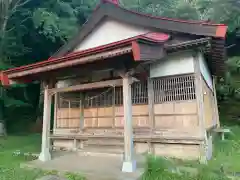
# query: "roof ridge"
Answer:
x=161 y=17
x=220 y=32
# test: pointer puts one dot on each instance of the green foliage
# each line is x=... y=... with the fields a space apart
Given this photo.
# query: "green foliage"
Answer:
x=73 y=176
x=61 y=19
x=224 y=164
x=227 y=11
x=228 y=87
x=226 y=153
x=159 y=168
x=220 y=11
x=9 y=164
x=52 y=26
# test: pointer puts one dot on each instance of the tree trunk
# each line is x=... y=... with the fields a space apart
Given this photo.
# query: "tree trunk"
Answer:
x=3 y=131
x=40 y=104
x=37 y=125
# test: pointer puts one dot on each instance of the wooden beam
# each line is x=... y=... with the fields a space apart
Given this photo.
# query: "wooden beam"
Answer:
x=83 y=70
x=69 y=63
x=81 y=87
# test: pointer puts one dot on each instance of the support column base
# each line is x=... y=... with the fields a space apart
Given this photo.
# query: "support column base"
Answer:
x=203 y=153
x=45 y=156
x=74 y=145
x=129 y=166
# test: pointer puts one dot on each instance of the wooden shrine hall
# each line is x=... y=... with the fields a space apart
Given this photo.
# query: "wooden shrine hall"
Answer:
x=131 y=83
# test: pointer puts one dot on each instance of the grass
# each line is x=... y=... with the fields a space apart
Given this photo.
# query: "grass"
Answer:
x=11 y=156
x=225 y=162
x=10 y=161
x=227 y=153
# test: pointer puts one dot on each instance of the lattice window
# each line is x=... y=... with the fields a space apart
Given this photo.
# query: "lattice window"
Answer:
x=140 y=92
x=99 y=98
x=118 y=96
x=176 y=88
x=106 y=97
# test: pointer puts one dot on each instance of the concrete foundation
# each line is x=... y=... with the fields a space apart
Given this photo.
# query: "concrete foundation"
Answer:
x=92 y=166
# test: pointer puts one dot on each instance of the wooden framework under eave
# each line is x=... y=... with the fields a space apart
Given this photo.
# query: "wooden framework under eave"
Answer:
x=140 y=51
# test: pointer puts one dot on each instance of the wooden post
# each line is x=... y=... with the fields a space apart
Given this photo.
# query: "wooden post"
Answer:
x=45 y=148
x=55 y=112
x=129 y=165
x=151 y=103
x=216 y=113
x=151 y=110
x=81 y=111
x=213 y=109
x=200 y=106
x=113 y=106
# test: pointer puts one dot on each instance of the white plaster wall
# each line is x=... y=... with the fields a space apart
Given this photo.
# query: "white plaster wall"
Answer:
x=63 y=83
x=109 y=31
x=180 y=63
x=205 y=71
x=95 y=76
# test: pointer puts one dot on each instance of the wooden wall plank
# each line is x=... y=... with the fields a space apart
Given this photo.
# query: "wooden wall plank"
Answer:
x=185 y=107
x=208 y=106
x=177 y=150
x=164 y=108
x=216 y=113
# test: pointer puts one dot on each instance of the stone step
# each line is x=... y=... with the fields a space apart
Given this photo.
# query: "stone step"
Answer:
x=104 y=143
x=102 y=150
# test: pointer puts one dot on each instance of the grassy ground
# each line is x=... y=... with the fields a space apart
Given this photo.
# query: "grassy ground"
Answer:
x=226 y=161
x=11 y=155
x=10 y=158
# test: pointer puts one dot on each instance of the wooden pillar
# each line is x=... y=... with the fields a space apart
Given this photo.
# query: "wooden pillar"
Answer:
x=55 y=112
x=216 y=113
x=81 y=111
x=45 y=148
x=151 y=111
x=129 y=165
x=113 y=106
x=151 y=103
x=200 y=106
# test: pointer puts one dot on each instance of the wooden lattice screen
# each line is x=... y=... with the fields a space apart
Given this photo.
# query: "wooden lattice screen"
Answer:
x=178 y=88
x=166 y=89
x=106 y=97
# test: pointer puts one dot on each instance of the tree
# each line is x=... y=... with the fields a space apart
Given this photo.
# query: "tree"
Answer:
x=61 y=19
x=10 y=44
x=8 y=37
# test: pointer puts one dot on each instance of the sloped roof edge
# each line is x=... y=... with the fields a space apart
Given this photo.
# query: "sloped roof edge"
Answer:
x=150 y=37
